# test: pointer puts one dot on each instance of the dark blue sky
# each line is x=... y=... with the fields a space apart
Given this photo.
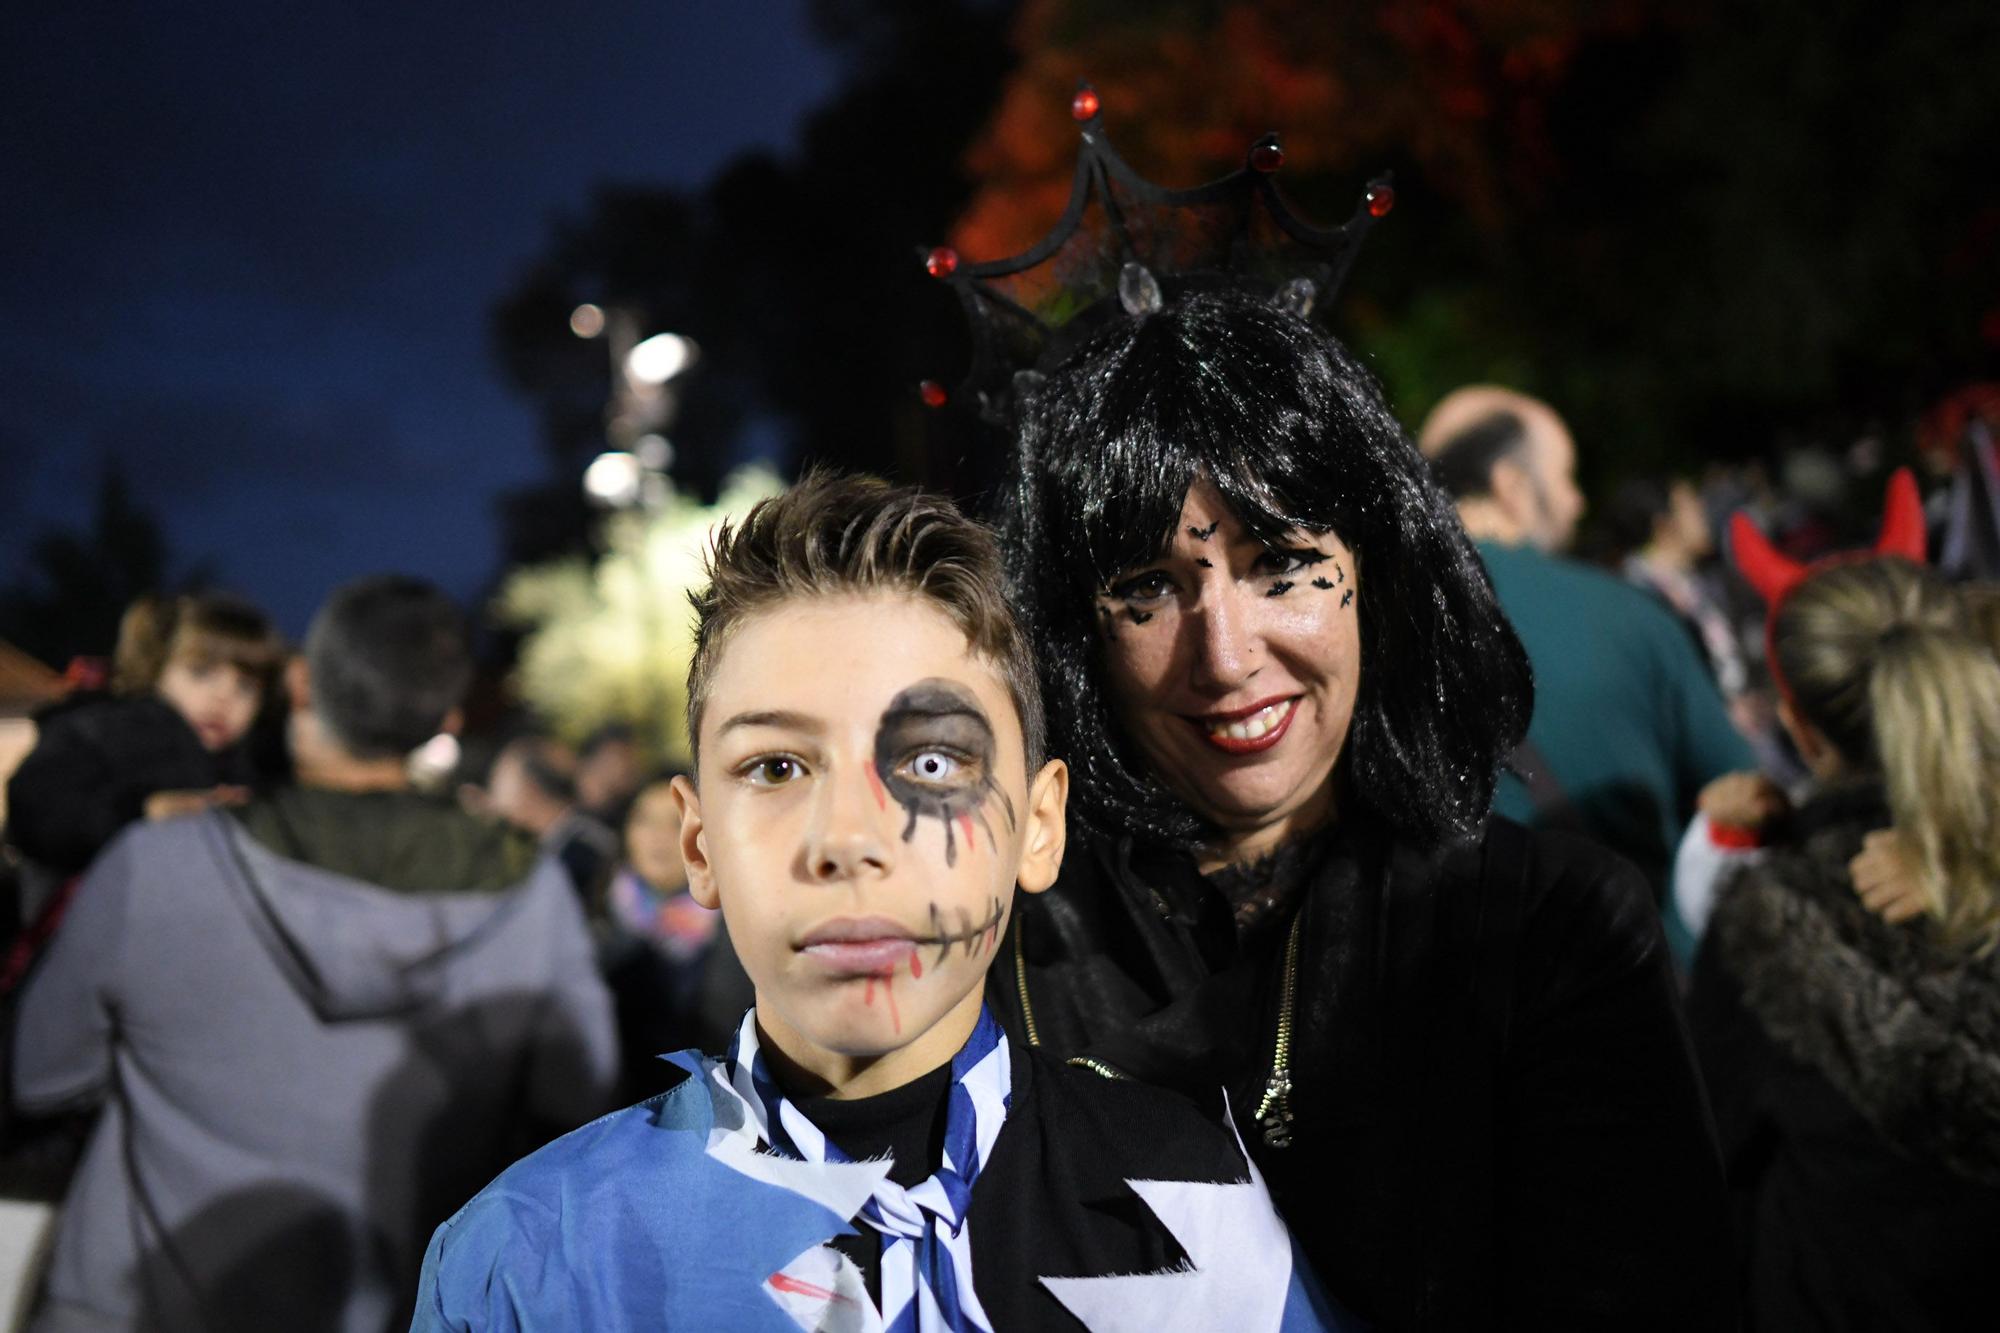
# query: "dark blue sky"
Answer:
x=249 y=250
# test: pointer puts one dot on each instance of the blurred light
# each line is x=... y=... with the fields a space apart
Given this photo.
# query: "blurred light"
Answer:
x=613 y=479
x=660 y=358
x=435 y=760
x=655 y=452
x=587 y=320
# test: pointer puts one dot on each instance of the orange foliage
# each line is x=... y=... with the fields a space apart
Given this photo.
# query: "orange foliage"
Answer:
x=1458 y=87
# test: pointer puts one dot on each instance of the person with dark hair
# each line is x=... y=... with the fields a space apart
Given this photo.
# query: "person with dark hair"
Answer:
x=1285 y=690
x=1628 y=724
x=533 y=787
x=609 y=771
x=869 y=803
x=316 y=1021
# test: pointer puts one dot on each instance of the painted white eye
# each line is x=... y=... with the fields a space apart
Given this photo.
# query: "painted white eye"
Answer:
x=933 y=766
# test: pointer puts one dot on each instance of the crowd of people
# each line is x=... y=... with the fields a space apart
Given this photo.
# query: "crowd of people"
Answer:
x=1260 y=881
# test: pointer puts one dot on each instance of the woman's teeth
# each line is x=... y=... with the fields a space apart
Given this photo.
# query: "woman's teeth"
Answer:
x=1260 y=723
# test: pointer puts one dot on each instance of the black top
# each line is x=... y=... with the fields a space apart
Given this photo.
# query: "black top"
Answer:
x=1855 y=1067
x=96 y=759
x=1496 y=1116
x=906 y=1124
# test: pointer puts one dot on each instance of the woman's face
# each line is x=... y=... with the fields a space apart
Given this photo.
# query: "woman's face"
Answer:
x=1233 y=668
x=653 y=837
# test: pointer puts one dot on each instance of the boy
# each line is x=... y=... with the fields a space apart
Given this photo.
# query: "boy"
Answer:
x=868 y=791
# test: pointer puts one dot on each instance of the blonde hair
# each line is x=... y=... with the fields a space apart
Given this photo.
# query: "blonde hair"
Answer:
x=1884 y=659
x=201 y=627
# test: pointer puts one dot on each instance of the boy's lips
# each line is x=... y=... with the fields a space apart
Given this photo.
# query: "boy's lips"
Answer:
x=865 y=946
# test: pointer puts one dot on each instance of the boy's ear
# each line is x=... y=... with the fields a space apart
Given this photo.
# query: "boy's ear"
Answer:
x=694 y=845
x=1042 y=849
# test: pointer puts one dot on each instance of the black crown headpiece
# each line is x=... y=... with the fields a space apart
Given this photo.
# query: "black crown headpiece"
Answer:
x=1123 y=236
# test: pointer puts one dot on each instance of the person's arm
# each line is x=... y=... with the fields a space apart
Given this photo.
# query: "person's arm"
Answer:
x=1727 y=832
x=1706 y=744
x=1610 y=1208
x=574 y=1068
x=64 y=1028
x=66 y=801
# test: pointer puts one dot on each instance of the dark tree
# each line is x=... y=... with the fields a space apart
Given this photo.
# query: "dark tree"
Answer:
x=79 y=583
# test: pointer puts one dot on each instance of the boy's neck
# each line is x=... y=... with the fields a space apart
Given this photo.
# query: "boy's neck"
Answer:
x=807 y=1069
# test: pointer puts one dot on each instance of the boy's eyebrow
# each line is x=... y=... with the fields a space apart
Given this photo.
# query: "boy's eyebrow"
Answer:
x=781 y=717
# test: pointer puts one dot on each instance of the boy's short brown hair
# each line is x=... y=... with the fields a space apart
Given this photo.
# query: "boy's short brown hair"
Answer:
x=830 y=535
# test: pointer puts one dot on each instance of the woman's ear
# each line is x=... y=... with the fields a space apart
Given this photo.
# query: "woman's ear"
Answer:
x=694 y=844
x=1813 y=746
x=1047 y=829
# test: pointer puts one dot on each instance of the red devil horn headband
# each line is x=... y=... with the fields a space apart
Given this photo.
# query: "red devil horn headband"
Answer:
x=1773 y=574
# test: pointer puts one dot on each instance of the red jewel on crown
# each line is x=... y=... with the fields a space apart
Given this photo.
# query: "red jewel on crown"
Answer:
x=1085 y=105
x=1381 y=198
x=941 y=262
x=932 y=393
x=1268 y=154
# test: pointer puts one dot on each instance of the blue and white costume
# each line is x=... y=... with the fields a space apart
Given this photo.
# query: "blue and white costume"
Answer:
x=1059 y=1199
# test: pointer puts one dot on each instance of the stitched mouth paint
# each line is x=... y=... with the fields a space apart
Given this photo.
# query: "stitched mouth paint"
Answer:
x=976 y=935
x=934 y=755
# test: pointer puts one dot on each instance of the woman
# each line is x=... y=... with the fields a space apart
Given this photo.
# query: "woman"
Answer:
x=1284 y=689
x=1855 y=1060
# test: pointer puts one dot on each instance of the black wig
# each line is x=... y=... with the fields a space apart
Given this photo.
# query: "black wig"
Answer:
x=1294 y=434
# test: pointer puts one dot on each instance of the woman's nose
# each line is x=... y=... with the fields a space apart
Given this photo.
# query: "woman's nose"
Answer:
x=1227 y=649
x=847 y=836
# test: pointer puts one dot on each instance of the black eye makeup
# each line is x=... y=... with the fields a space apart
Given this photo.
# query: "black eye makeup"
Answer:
x=934 y=756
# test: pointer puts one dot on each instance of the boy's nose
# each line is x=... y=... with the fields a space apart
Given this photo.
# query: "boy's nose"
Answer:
x=848 y=837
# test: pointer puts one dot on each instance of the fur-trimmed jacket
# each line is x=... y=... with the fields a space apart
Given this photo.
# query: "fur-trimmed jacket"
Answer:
x=1855 y=1071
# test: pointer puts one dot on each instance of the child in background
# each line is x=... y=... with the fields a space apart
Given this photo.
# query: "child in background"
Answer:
x=872 y=1152
x=189 y=676
x=657 y=942
x=1854 y=1059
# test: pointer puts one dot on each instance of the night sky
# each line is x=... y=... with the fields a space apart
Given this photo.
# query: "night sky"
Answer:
x=250 y=248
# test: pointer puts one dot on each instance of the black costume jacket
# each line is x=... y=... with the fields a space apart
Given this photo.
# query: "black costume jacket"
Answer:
x=1856 y=1073
x=1496 y=1118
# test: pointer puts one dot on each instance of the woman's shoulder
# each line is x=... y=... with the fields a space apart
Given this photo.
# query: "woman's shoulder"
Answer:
x=1545 y=883
x=1132 y=1129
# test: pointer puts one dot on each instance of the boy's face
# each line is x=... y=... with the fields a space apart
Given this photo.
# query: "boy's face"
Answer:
x=862 y=818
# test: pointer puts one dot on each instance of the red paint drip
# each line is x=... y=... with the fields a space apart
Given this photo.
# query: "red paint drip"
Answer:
x=791 y=1286
x=875 y=781
x=965 y=822
x=889 y=994
x=916 y=966
x=868 y=992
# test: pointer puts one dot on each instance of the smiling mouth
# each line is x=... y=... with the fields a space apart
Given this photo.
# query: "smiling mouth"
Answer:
x=1249 y=730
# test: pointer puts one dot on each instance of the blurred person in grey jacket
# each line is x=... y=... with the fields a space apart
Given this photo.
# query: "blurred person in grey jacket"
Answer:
x=317 y=1022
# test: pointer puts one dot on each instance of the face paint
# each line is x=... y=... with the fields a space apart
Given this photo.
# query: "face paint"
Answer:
x=934 y=754
x=1345 y=598
x=976 y=936
x=1278 y=589
x=1321 y=583
x=1203 y=534
x=1204 y=562
x=1138 y=617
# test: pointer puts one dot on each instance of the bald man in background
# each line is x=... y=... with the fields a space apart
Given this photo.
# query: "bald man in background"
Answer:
x=1628 y=726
